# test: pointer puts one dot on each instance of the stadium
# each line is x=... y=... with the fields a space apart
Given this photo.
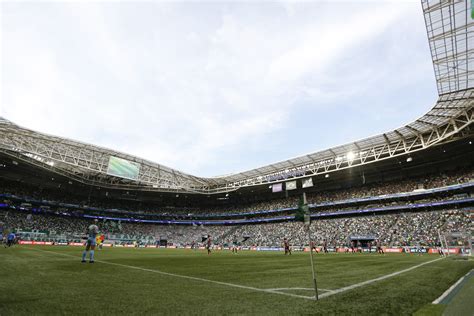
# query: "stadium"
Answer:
x=381 y=225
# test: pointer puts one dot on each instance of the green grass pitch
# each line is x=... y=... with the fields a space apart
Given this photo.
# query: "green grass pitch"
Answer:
x=51 y=280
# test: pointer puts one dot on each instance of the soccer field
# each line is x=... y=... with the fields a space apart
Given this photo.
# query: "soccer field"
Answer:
x=52 y=280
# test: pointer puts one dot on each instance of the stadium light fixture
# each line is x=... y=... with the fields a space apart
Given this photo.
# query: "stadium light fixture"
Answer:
x=350 y=156
x=409 y=159
x=326 y=175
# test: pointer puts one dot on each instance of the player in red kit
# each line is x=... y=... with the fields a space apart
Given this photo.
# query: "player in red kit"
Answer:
x=209 y=244
x=379 y=247
x=102 y=239
x=353 y=246
x=286 y=245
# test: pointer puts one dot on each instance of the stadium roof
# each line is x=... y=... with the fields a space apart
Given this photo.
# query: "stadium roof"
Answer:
x=450 y=29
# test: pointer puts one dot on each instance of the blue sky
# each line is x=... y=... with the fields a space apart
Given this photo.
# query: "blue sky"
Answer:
x=213 y=88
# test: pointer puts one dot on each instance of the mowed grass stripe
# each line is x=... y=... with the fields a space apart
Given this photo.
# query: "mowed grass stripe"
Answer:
x=187 y=277
x=257 y=269
x=272 y=291
x=40 y=283
x=384 y=277
x=264 y=270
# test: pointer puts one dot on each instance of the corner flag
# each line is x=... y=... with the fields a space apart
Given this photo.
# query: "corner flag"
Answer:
x=302 y=213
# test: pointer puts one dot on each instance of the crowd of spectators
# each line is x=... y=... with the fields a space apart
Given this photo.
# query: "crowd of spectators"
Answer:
x=409 y=185
x=141 y=207
x=43 y=227
x=400 y=229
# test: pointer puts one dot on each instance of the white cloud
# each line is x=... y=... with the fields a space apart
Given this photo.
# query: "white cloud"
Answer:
x=182 y=84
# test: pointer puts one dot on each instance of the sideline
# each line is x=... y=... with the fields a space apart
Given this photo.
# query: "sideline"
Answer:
x=271 y=291
x=455 y=286
x=184 y=276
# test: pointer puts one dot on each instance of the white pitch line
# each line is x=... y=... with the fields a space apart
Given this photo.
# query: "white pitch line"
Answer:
x=189 y=277
x=448 y=291
x=298 y=288
x=353 y=286
x=272 y=291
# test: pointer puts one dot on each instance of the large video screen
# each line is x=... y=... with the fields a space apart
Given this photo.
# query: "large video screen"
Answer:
x=290 y=185
x=278 y=187
x=123 y=168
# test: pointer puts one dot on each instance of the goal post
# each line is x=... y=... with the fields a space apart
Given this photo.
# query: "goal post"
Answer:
x=458 y=242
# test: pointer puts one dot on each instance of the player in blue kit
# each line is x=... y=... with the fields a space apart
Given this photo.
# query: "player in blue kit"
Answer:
x=92 y=233
x=10 y=239
x=1 y=232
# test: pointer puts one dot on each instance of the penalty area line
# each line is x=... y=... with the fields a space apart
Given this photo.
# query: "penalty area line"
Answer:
x=387 y=276
x=250 y=288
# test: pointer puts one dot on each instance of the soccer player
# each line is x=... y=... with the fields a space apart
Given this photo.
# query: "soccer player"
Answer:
x=234 y=247
x=440 y=249
x=10 y=239
x=286 y=245
x=1 y=231
x=97 y=242
x=92 y=232
x=421 y=250
x=102 y=238
x=353 y=246
x=209 y=244
x=406 y=249
x=325 y=246
x=379 y=247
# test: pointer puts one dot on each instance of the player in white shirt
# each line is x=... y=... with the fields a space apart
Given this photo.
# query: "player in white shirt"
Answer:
x=92 y=232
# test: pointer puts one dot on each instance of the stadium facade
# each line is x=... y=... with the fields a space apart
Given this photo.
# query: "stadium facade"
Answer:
x=450 y=29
